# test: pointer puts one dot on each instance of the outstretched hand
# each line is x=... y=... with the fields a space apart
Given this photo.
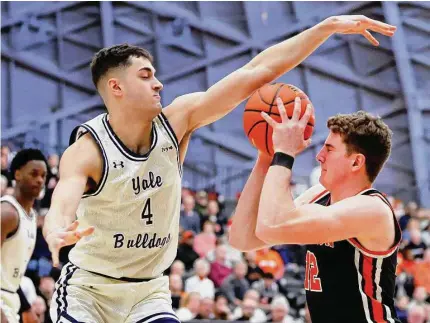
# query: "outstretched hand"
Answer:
x=359 y=24
x=288 y=135
x=70 y=235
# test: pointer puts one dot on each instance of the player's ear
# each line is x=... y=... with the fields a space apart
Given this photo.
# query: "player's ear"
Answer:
x=358 y=162
x=114 y=86
x=18 y=175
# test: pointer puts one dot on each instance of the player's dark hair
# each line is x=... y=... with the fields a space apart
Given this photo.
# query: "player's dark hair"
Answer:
x=114 y=57
x=365 y=134
x=24 y=156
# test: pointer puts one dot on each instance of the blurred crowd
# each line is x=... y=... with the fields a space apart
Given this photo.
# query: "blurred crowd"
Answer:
x=210 y=280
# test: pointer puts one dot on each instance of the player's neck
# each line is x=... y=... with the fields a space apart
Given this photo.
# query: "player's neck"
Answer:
x=347 y=189
x=135 y=133
x=24 y=201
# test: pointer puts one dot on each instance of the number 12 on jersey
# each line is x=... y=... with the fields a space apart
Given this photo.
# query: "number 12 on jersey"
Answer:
x=312 y=282
x=146 y=213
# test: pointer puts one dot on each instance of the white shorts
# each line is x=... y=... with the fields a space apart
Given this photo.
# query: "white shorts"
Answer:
x=10 y=305
x=82 y=296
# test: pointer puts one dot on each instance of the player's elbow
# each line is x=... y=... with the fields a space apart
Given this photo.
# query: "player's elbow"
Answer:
x=258 y=75
x=263 y=232
x=237 y=242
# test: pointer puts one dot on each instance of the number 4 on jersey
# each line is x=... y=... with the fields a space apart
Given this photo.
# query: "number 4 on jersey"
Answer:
x=146 y=213
x=312 y=282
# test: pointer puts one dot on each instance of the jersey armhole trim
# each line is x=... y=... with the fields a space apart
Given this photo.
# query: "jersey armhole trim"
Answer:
x=12 y=234
x=105 y=171
x=169 y=129
x=173 y=137
x=373 y=254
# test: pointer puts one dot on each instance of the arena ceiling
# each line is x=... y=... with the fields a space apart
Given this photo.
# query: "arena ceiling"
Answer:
x=47 y=90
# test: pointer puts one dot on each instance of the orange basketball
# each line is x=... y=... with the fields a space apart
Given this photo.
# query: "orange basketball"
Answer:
x=264 y=99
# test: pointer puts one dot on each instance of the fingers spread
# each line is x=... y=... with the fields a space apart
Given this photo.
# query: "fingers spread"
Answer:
x=73 y=226
x=297 y=109
x=370 y=38
x=269 y=120
x=281 y=109
x=305 y=119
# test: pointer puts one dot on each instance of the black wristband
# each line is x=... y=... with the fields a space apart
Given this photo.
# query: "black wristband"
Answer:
x=282 y=159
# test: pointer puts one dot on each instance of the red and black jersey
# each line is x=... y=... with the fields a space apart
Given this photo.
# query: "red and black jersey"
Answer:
x=346 y=283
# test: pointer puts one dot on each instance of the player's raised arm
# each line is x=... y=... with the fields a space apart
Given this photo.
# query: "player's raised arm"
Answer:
x=242 y=232
x=267 y=66
x=76 y=167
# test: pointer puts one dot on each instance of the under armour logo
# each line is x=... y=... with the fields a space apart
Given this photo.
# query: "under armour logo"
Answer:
x=117 y=164
x=164 y=149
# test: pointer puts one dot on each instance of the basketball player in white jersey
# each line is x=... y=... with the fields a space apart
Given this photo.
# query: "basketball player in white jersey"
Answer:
x=121 y=177
x=18 y=227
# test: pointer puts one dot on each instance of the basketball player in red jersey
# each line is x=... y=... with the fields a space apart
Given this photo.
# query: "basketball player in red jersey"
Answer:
x=349 y=228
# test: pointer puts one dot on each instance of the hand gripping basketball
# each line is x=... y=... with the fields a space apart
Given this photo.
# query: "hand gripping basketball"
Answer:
x=288 y=135
x=58 y=239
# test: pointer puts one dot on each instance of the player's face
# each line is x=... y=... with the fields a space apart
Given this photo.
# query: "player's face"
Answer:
x=334 y=160
x=32 y=177
x=141 y=89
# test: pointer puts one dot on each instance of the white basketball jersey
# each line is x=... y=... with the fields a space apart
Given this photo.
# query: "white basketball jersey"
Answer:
x=135 y=207
x=18 y=248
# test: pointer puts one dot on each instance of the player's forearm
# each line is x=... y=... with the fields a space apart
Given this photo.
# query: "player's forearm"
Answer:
x=282 y=57
x=276 y=199
x=63 y=208
x=242 y=231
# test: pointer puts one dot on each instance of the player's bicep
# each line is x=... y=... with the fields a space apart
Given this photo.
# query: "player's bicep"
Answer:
x=76 y=167
x=225 y=95
x=9 y=220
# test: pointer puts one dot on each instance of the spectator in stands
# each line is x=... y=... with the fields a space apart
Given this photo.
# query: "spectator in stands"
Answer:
x=176 y=290
x=201 y=204
x=415 y=245
x=401 y=306
x=5 y=158
x=219 y=269
x=267 y=288
x=410 y=211
x=258 y=314
x=206 y=309
x=270 y=262
x=421 y=271
x=233 y=255
x=254 y=272
x=40 y=309
x=236 y=285
x=416 y=314
x=279 y=309
x=221 y=309
x=51 y=180
x=205 y=241
x=4 y=183
x=249 y=306
x=189 y=307
x=214 y=215
x=420 y=297
x=186 y=253
x=177 y=268
x=46 y=288
x=200 y=281
x=189 y=219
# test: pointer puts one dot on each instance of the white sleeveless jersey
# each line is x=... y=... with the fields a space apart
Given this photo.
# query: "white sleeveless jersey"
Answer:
x=17 y=248
x=135 y=207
